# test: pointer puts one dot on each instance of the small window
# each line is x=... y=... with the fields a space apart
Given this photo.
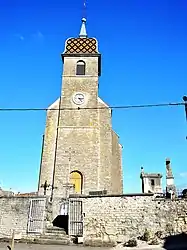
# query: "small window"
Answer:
x=152 y=182
x=80 y=68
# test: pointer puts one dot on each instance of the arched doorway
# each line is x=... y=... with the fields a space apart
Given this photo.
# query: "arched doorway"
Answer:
x=76 y=179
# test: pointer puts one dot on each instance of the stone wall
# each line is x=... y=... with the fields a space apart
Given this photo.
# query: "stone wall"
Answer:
x=105 y=149
x=116 y=169
x=107 y=219
x=114 y=219
x=14 y=214
x=48 y=154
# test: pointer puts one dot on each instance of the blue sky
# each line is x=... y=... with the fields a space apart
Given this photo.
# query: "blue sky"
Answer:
x=144 y=57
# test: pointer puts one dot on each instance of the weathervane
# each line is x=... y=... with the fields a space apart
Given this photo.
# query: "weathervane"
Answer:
x=84 y=8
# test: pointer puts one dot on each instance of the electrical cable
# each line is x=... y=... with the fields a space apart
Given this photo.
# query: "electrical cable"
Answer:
x=96 y=108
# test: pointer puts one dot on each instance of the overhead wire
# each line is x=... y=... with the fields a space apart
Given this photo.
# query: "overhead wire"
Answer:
x=97 y=108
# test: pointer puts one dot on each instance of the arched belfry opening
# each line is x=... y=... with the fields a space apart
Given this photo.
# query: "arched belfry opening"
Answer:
x=76 y=179
x=80 y=68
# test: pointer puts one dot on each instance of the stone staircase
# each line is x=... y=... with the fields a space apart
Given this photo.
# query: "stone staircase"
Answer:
x=53 y=236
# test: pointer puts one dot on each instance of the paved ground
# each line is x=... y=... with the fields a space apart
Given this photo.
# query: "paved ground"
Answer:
x=3 y=246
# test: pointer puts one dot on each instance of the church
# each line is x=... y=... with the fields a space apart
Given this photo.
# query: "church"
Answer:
x=81 y=153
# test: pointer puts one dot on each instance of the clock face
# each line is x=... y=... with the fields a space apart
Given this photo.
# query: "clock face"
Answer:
x=78 y=98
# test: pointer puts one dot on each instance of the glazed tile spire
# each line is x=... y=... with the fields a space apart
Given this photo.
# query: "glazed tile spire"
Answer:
x=83 y=33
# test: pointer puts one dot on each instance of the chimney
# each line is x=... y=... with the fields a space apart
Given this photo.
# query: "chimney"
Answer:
x=169 y=174
x=169 y=177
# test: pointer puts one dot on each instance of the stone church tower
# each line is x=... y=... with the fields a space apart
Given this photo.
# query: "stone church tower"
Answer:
x=81 y=153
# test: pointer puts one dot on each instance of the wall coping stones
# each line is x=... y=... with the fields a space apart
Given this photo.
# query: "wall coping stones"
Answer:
x=22 y=197
x=103 y=196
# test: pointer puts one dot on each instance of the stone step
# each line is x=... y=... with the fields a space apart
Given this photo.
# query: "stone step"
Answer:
x=62 y=232
x=56 y=233
x=54 y=236
x=40 y=241
x=55 y=229
x=52 y=241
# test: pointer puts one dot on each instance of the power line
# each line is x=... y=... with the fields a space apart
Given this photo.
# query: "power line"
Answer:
x=96 y=108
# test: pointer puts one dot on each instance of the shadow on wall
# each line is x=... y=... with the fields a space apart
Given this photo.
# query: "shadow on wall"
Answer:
x=176 y=242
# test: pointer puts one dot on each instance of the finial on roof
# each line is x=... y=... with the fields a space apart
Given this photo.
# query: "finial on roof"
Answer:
x=167 y=160
x=83 y=33
x=169 y=173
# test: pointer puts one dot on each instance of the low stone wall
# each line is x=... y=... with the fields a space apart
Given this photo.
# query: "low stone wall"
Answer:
x=107 y=220
x=14 y=213
x=114 y=219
